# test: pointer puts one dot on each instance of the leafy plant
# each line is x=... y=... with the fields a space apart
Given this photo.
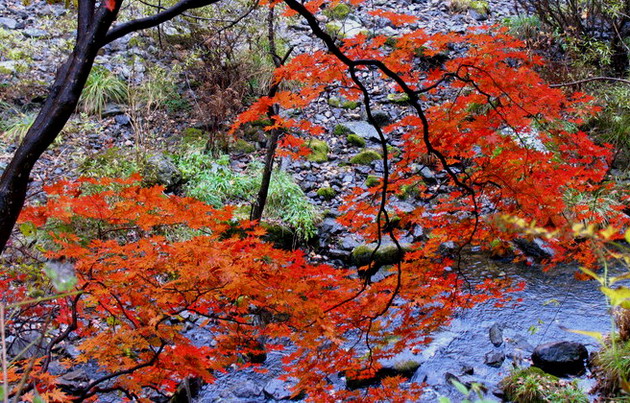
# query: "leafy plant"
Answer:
x=102 y=86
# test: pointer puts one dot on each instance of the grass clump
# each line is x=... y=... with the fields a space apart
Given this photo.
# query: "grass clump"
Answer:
x=102 y=86
x=216 y=183
x=319 y=150
x=365 y=157
x=355 y=140
x=533 y=385
x=18 y=126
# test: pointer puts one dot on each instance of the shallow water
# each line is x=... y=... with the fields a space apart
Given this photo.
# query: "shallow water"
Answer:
x=550 y=301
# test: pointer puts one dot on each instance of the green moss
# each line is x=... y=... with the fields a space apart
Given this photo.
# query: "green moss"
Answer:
x=480 y=6
x=113 y=162
x=532 y=385
x=385 y=255
x=340 y=130
x=243 y=147
x=342 y=103
x=338 y=12
x=393 y=151
x=365 y=157
x=398 y=98
x=350 y=104
x=372 y=181
x=327 y=193
x=407 y=367
x=355 y=140
x=319 y=150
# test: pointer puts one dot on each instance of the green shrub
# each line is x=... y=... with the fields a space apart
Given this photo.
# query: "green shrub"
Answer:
x=355 y=140
x=365 y=157
x=533 y=385
x=526 y=27
x=102 y=86
x=612 y=124
x=319 y=150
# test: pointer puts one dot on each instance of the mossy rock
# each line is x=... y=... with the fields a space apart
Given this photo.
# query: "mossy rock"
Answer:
x=365 y=157
x=481 y=7
x=372 y=181
x=338 y=12
x=355 y=139
x=342 y=103
x=319 y=150
x=281 y=236
x=243 y=147
x=341 y=130
x=193 y=135
x=385 y=255
x=350 y=104
x=113 y=162
x=160 y=170
x=327 y=193
x=334 y=102
x=397 y=98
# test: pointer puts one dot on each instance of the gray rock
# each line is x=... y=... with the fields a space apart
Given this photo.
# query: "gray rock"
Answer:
x=560 y=358
x=248 y=389
x=160 y=170
x=363 y=129
x=496 y=335
x=122 y=120
x=8 y=23
x=35 y=33
x=279 y=389
x=494 y=358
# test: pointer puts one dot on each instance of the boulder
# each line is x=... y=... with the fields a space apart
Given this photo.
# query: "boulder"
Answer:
x=160 y=170
x=496 y=335
x=560 y=358
x=494 y=358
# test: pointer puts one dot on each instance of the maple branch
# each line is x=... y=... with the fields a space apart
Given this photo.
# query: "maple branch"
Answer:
x=86 y=391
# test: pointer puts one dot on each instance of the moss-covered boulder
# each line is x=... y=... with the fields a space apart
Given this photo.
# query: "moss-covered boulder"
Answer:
x=319 y=150
x=160 y=170
x=355 y=139
x=372 y=181
x=341 y=130
x=243 y=147
x=327 y=193
x=365 y=157
x=385 y=255
x=398 y=98
x=338 y=12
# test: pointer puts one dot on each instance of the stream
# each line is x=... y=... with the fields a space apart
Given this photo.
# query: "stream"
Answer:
x=550 y=301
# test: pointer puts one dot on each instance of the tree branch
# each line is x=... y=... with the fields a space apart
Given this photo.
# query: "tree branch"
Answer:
x=149 y=22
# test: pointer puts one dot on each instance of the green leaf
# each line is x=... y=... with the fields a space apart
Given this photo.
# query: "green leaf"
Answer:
x=27 y=229
x=618 y=296
x=460 y=387
x=593 y=275
x=596 y=335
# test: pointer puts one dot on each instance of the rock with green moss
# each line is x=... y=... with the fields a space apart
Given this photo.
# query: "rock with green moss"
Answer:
x=355 y=139
x=365 y=157
x=338 y=12
x=350 y=104
x=243 y=147
x=160 y=170
x=398 y=98
x=372 y=181
x=191 y=134
x=327 y=193
x=280 y=235
x=385 y=255
x=340 y=130
x=319 y=150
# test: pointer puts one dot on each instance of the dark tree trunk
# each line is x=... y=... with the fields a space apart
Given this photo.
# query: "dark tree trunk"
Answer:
x=93 y=32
